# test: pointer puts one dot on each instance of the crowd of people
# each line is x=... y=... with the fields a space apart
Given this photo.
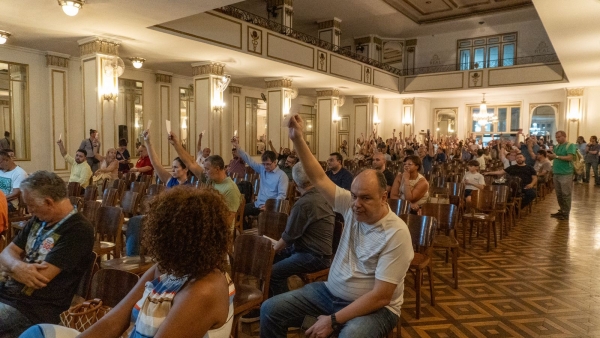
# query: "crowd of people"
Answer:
x=188 y=231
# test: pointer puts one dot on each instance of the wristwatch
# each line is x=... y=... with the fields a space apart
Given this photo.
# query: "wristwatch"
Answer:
x=334 y=324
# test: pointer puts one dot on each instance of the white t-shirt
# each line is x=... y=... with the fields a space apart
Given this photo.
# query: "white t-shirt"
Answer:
x=476 y=178
x=10 y=180
x=367 y=252
x=200 y=159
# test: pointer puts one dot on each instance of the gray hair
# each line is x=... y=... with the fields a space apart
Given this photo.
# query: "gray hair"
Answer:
x=45 y=184
x=299 y=176
x=381 y=181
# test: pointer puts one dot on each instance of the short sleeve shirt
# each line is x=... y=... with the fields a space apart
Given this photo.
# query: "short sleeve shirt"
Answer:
x=229 y=190
x=562 y=167
x=367 y=252
x=145 y=162
x=525 y=172
x=10 y=180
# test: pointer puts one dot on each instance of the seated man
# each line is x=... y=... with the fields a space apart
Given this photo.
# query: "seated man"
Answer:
x=339 y=175
x=236 y=165
x=43 y=265
x=379 y=165
x=364 y=293
x=305 y=245
x=80 y=169
x=273 y=181
x=287 y=166
x=528 y=178
x=11 y=176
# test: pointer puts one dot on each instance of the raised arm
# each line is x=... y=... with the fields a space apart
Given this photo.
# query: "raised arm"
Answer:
x=199 y=144
x=61 y=147
x=273 y=149
x=235 y=142
x=187 y=159
x=315 y=174
x=162 y=173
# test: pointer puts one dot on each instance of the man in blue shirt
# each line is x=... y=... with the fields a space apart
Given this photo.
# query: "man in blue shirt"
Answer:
x=337 y=173
x=273 y=181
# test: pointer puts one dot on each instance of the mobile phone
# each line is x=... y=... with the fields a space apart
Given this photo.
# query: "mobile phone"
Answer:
x=308 y=322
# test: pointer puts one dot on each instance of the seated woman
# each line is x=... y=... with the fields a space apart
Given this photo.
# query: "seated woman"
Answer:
x=179 y=174
x=411 y=185
x=187 y=293
x=123 y=156
x=109 y=167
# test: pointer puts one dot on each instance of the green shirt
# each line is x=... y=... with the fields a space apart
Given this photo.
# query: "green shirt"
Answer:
x=562 y=167
x=230 y=192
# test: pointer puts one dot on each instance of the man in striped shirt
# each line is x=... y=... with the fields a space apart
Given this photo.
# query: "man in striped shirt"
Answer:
x=364 y=291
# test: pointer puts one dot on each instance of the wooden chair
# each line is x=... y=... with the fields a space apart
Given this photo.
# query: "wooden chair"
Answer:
x=239 y=218
x=322 y=275
x=77 y=202
x=272 y=224
x=74 y=189
x=277 y=205
x=120 y=185
x=112 y=285
x=516 y=197
x=503 y=192
x=155 y=189
x=90 y=208
x=483 y=210
x=83 y=289
x=109 y=222
x=447 y=219
x=422 y=231
x=135 y=264
x=399 y=206
x=139 y=187
x=253 y=257
x=90 y=193
x=130 y=203
x=109 y=199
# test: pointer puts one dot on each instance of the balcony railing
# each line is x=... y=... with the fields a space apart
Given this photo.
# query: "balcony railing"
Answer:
x=288 y=31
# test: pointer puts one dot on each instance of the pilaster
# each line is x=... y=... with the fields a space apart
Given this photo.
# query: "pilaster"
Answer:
x=279 y=103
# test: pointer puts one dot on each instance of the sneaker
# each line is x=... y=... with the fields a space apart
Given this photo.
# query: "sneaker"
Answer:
x=557 y=215
x=251 y=317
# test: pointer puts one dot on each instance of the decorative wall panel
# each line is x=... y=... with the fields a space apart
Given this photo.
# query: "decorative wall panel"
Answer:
x=290 y=51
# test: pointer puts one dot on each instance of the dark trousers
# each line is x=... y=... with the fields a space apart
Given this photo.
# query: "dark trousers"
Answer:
x=528 y=197
x=250 y=210
x=289 y=262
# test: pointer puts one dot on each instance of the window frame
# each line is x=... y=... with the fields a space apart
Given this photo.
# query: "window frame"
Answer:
x=486 y=43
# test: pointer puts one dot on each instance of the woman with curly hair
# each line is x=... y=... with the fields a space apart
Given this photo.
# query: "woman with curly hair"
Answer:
x=186 y=293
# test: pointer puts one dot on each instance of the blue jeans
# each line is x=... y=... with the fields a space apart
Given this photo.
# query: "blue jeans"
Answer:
x=289 y=262
x=132 y=235
x=279 y=313
x=12 y=322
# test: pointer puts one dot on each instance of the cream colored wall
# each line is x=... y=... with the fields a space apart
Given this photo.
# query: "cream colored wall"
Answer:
x=591 y=113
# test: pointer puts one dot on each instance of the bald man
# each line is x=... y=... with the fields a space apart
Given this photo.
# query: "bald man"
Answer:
x=364 y=291
x=202 y=154
x=379 y=162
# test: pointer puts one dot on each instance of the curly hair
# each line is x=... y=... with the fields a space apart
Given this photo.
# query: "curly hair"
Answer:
x=186 y=231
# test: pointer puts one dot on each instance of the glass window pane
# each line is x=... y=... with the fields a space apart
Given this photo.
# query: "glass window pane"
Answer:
x=479 y=58
x=515 y=118
x=508 y=55
x=502 y=119
x=493 y=56
x=475 y=126
x=465 y=59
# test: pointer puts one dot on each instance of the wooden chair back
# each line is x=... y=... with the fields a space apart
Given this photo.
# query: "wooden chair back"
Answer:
x=438 y=181
x=90 y=209
x=502 y=194
x=445 y=214
x=139 y=187
x=256 y=187
x=91 y=193
x=109 y=199
x=484 y=200
x=253 y=257
x=130 y=203
x=155 y=189
x=77 y=202
x=74 y=189
x=83 y=289
x=147 y=179
x=455 y=188
x=112 y=285
x=422 y=231
x=272 y=224
x=239 y=217
x=277 y=205
x=109 y=222
x=399 y=206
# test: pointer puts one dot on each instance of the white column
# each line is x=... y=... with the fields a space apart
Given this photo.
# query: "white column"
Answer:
x=330 y=31
x=279 y=103
x=163 y=82
x=327 y=109
x=573 y=113
x=58 y=66
x=284 y=9
x=237 y=118
x=369 y=46
x=408 y=122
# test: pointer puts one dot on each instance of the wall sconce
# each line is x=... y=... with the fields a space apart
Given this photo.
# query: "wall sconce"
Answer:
x=376 y=120
x=4 y=35
x=407 y=116
x=71 y=7
x=574 y=113
x=112 y=69
x=137 y=62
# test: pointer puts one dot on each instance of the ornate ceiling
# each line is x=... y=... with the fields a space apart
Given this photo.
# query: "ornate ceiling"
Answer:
x=429 y=11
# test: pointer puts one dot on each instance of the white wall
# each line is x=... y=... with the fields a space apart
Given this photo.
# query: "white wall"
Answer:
x=591 y=113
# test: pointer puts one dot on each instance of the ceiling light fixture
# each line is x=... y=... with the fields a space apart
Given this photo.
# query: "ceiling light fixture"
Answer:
x=71 y=7
x=4 y=35
x=137 y=62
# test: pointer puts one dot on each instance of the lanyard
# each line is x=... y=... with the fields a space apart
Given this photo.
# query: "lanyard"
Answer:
x=39 y=237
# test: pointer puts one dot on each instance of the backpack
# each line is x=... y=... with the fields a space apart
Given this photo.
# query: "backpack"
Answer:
x=577 y=162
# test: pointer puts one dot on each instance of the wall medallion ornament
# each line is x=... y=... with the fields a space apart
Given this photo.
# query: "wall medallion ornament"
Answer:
x=435 y=60
x=254 y=40
x=322 y=62
x=476 y=79
x=367 y=75
x=543 y=49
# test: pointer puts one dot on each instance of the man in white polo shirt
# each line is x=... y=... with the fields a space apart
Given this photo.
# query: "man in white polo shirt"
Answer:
x=364 y=292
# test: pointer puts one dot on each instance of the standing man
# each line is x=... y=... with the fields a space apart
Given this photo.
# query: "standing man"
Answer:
x=202 y=154
x=529 y=149
x=5 y=143
x=273 y=181
x=364 y=292
x=562 y=168
x=47 y=259
x=80 y=169
x=379 y=165
x=339 y=175
x=11 y=176
x=91 y=147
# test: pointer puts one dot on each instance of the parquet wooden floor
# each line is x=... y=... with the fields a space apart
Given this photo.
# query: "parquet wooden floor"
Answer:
x=541 y=281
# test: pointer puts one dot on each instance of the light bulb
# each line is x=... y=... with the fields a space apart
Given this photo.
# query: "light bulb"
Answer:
x=3 y=37
x=70 y=8
x=137 y=64
x=2 y=40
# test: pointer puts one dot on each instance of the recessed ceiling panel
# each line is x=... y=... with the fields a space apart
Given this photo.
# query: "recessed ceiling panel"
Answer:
x=429 y=11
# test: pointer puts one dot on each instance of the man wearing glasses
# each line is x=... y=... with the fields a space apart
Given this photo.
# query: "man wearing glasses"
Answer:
x=273 y=181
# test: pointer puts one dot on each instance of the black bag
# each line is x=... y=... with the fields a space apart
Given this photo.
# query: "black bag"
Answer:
x=246 y=189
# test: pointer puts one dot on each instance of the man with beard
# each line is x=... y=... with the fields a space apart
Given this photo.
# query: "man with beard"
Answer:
x=339 y=175
x=80 y=169
x=426 y=157
x=379 y=165
x=236 y=165
x=528 y=178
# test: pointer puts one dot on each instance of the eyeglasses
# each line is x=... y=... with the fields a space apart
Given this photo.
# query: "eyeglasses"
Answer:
x=266 y=164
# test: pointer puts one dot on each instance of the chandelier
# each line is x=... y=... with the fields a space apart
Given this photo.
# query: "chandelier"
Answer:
x=483 y=117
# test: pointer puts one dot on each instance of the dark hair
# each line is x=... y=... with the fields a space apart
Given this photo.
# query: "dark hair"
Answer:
x=338 y=156
x=81 y=151
x=296 y=159
x=416 y=160
x=6 y=134
x=183 y=166
x=93 y=131
x=473 y=163
x=409 y=152
x=123 y=142
x=45 y=184
x=268 y=155
x=186 y=231
x=480 y=152
x=542 y=152
x=216 y=161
